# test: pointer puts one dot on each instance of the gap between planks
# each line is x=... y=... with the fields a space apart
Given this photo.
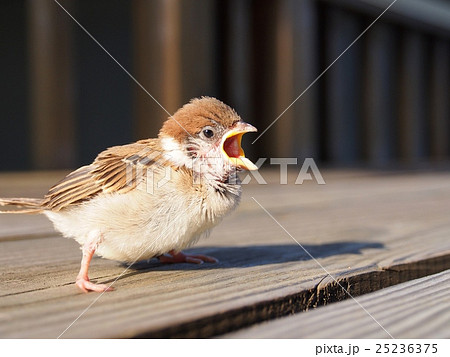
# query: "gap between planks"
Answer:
x=326 y=292
x=415 y=309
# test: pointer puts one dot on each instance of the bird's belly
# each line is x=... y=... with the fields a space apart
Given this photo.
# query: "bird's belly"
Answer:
x=154 y=236
x=128 y=231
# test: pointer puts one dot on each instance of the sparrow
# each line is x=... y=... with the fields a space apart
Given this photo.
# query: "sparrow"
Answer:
x=154 y=197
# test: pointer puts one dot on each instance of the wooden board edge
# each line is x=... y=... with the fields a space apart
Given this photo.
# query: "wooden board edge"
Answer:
x=327 y=291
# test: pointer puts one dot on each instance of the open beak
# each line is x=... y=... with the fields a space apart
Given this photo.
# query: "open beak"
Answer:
x=231 y=146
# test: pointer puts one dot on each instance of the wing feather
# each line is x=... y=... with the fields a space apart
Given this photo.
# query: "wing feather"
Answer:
x=116 y=170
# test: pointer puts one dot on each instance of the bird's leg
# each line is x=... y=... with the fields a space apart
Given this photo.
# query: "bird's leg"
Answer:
x=180 y=257
x=82 y=280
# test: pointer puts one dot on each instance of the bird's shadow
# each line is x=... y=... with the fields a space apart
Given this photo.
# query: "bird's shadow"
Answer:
x=255 y=255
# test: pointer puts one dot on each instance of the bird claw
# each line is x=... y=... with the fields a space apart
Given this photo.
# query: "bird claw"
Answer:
x=85 y=285
x=181 y=257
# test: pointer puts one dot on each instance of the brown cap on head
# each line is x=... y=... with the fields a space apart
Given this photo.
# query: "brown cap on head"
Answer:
x=195 y=115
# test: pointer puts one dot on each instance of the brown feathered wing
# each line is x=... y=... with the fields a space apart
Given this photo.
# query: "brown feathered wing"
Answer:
x=117 y=169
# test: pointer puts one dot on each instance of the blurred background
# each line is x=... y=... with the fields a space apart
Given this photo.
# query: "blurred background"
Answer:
x=383 y=103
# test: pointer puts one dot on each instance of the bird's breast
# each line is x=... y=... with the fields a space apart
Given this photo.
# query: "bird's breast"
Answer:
x=141 y=224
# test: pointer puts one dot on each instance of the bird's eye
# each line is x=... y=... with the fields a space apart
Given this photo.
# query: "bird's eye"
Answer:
x=208 y=133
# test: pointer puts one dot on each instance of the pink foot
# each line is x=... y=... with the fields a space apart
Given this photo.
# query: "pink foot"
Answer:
x=83 y=281
x=180 y=257
x=85 y=285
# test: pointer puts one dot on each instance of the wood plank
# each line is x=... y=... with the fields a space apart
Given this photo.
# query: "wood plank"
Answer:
x=415 y=309
x=366 y=229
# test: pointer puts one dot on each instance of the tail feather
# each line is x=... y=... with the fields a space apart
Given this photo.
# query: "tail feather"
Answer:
x=26 y=205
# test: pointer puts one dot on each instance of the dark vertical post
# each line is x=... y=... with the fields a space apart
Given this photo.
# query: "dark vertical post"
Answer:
x=14 y=106
x=156 y=29
x=199 y=69
x=263 y=73
x=236 y=62
x=379 y=94
x=305 y=71
x=282 y=131
x=343 y=88
x=412 y=92
x=440 y=100
x=52 y=92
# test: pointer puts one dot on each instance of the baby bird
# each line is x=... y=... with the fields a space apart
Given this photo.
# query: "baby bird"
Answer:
x=154 y=197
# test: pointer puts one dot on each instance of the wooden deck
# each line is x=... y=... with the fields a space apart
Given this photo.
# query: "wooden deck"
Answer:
x=369 y=230
x=416 y=309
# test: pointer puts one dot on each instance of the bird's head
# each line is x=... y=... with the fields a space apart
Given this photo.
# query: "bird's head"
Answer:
x=205 y=135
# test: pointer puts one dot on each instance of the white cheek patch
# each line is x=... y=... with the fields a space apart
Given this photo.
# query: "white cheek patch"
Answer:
x=210 y=163
x=174 y=153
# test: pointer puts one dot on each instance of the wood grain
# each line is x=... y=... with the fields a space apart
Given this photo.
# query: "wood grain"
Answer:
x=415 y=309
x=369 y=230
